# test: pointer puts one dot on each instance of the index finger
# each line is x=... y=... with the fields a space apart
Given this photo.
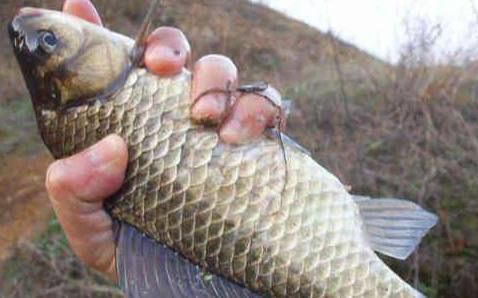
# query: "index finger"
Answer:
x=167 y=52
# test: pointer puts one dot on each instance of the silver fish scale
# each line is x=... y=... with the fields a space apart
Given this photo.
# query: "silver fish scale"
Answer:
x=225 y=207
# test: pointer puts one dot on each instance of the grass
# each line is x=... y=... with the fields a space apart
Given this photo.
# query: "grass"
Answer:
x=410 y=132
x=48 y=268
x=18 y=130
x=398 y=142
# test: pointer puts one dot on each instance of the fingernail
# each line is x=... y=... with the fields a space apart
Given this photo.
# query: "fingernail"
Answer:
x=56 y=173
x=233 y=132
x=164 y=60
x=104 y=152
x=210 y=107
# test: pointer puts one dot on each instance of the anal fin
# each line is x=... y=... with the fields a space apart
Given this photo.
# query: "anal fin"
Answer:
x=147 y=269
x=394 y=227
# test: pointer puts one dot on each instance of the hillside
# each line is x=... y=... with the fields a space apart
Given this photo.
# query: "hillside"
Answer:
x=407 y=131
x=265 y=44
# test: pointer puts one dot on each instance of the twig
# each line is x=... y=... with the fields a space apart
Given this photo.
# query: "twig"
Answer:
x=41 y=256
x=3 y=159
x=62 y=288
x=340 y=75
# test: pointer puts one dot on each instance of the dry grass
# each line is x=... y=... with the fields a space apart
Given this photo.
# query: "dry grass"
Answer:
x=410 y=131
x=48 y=268
x=264 y=44
x=24 y=201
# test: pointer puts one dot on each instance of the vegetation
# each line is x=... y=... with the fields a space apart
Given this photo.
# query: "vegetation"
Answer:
x=48 y=268
x=407 y=130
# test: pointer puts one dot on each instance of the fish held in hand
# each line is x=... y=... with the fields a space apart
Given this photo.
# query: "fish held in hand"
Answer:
x=219 y=220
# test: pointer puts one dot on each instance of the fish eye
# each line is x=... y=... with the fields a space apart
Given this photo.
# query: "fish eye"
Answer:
x=48 y=41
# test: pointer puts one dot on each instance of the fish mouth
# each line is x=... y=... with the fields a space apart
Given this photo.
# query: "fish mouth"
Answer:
x=17 y=37
x=22 y=36
x=40 y=88
x=16 y=32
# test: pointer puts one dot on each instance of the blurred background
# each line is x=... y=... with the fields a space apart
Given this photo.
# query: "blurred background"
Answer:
x=385 y=95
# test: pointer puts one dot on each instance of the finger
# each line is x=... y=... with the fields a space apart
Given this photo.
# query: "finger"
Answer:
x=212 y=72
x=77 y=187
x=250 y=116
x=167 y=52
x=92 y=175
x=83 y=9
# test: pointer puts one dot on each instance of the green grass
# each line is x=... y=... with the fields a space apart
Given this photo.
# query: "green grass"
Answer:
x=47 y=268
x=18 y=129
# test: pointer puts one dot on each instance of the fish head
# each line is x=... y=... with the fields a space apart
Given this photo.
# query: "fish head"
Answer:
x=67 y=61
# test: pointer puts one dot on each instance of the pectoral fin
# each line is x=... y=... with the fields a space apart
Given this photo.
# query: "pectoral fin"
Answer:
x=394 y=227
x=147 y=269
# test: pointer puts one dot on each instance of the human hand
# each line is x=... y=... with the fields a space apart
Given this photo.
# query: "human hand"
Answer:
x=78 y=185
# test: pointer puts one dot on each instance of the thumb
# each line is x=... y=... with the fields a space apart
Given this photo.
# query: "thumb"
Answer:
x=90 y=176
x=83 y=9
x=77 y=187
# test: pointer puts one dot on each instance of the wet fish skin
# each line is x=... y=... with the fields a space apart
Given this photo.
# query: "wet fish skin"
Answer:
x=227 y=208
x=218 y=204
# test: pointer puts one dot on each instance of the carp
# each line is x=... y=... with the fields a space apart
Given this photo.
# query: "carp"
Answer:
x=198 y=217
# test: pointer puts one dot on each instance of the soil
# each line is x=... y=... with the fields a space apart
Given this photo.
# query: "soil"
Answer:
x=24 y=206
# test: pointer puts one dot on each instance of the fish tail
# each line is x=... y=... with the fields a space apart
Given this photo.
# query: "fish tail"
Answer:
x=394 y=227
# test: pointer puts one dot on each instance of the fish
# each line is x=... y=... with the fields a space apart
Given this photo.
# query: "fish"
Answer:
x=195 y=216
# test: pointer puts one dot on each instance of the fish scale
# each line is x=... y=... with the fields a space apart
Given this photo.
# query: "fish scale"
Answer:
x=223 y=206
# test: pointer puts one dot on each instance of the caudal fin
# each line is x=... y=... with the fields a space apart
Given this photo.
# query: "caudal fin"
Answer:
x=394 y=227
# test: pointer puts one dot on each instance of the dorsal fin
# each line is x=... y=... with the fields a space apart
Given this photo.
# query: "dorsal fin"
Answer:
x=140 y=44
x=394 y=227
